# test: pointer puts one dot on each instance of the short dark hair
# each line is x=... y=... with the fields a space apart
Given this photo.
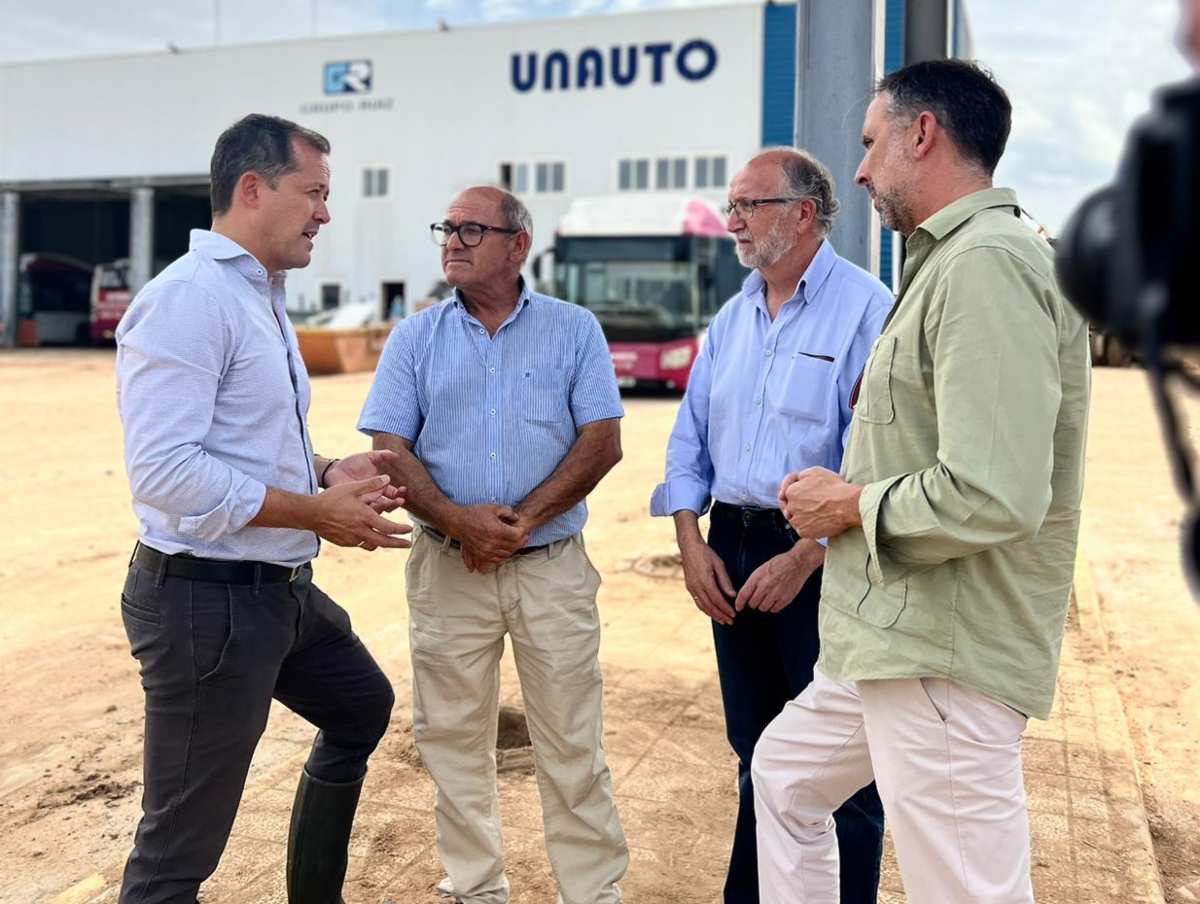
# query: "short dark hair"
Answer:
x=255 y=143
x=968 y=103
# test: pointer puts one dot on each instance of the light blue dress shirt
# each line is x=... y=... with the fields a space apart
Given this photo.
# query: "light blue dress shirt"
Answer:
x=491 y=417
x=768 y=397
x=213 y=396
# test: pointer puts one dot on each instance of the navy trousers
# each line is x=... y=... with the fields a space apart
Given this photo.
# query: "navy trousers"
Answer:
x=765 y=660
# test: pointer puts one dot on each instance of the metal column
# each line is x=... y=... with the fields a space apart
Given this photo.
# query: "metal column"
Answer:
x=10 y=234
x=839 y=57
x=141 y=237
x=926 y=30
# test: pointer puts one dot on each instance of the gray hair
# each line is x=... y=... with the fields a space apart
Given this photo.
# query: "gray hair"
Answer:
x=256 y=144
x=515 y=213
x=804 y=176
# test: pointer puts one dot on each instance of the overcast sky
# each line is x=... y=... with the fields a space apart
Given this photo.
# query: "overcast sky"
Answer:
x=1078 y=73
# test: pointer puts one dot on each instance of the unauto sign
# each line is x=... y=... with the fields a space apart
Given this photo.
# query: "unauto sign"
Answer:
x=592 y=67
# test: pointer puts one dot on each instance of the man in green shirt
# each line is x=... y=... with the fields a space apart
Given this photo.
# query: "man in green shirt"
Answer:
x=952 y=526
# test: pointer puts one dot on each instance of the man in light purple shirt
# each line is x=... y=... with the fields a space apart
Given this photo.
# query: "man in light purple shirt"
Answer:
x=219 y=604
x=771 y=393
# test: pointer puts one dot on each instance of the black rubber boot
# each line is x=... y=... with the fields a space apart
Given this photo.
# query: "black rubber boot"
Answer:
x=317 y=840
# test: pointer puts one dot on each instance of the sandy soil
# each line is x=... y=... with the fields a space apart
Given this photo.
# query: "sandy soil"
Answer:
x=71 y=708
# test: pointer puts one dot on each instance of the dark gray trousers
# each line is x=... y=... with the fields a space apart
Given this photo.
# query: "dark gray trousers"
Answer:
x=212 y=658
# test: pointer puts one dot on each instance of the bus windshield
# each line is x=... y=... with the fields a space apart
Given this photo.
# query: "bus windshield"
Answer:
x=634 y=300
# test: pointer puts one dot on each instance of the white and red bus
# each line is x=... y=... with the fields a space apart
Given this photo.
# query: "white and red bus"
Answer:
x=654 y=270
x=110 y=298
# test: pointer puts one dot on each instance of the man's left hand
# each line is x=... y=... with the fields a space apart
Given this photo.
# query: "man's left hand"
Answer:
x=818 y=503
x=776 y=582
x=362 y=465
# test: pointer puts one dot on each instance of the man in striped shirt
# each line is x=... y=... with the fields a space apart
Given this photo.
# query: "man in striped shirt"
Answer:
x=503 y=409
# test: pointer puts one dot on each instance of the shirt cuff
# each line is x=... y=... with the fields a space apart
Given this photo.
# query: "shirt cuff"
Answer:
x=243 y=501
x=881 y=569
x=679 y=494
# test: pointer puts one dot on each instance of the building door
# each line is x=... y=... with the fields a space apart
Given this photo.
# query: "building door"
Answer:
x=391 y=304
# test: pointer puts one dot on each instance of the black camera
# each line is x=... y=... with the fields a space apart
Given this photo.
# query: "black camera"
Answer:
x=1127 y=260
x=1127 y=256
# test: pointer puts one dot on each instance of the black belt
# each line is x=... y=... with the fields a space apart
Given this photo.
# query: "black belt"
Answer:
x=754 y=517
x=215 y=571
x=454 y=544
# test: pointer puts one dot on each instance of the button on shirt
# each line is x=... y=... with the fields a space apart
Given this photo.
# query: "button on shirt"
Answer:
x=212 y=394
x=768 y=397
x=968 y=440
x=491 y=417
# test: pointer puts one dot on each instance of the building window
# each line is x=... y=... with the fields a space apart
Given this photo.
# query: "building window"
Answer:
x=710 y=172
x=331 y=296
x=680 y=173
x=641 y=175
x=625 y=175
x=718 y=172
x=521 y=180
x=662 y=173
x=550 y=178
x=375 y=182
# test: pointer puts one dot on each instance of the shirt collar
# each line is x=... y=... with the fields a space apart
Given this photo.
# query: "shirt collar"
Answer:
x=953 y=215
x=523 y=299
x=222 y=248
x=819 y=268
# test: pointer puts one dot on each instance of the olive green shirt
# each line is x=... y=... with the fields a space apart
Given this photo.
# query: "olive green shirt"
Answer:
x=968 y=440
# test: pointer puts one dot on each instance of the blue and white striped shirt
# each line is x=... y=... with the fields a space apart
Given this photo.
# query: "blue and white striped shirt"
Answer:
x=213 y=395
x=766 y=397
x=491 y=417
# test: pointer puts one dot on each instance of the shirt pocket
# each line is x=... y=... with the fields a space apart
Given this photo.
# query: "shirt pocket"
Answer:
x=806 y=388
x=875 y=404
x=543 y=395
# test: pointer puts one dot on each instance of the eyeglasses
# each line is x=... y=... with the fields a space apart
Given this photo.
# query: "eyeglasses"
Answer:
x=470 y=234
x=746 y=207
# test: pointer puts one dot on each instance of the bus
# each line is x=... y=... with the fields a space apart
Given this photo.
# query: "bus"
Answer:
x=654 y=270
x=110 y=296
x=53 y=293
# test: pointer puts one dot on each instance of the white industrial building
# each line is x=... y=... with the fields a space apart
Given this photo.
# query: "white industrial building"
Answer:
x=108 y=157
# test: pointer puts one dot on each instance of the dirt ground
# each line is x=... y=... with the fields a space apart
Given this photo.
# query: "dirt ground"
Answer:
x=71 y=707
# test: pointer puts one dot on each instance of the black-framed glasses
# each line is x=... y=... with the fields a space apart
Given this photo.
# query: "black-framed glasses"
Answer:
x=746 y=207
x=470 y=234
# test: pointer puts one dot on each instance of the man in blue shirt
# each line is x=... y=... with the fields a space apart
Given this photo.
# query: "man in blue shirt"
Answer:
x=502 y=406
x=219 y=603
x=771 y=393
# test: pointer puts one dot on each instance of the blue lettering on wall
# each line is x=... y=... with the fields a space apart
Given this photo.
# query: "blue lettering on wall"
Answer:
x=556 y=60
x=590 y=69
x=694 y=61
x=685 y=65
x=630 y=73
x=524 y=82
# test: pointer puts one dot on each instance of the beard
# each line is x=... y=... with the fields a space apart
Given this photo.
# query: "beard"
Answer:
x=895 y=211
x=769 y=250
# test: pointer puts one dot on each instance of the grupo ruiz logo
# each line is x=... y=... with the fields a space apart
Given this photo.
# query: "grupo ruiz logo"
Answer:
x=348 y=77
x=592 y=67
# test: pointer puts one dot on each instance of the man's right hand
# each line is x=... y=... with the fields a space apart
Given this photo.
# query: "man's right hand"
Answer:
x=343 y=515
x=488 y=534
x=707 y=581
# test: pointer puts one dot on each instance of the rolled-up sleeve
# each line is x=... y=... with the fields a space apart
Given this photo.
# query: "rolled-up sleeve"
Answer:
x=997 y=386
x=392 y=404
x=594 y=392
x=689 y=471
x=171 y=356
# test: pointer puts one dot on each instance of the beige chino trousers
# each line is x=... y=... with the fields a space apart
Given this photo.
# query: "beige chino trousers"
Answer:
x=947 y=762
x=545 y=602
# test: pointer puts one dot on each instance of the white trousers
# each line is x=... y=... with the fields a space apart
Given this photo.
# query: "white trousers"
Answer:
x=947 y=762
x=546 y=603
